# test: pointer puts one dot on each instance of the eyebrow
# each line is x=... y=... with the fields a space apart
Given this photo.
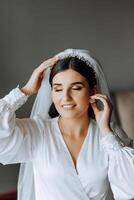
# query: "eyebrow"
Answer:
x=74 y=83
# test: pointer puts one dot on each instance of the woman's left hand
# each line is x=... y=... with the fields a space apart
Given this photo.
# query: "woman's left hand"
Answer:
x=103 y=117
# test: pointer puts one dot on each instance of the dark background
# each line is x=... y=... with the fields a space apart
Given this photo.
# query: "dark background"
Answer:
x=32 y=31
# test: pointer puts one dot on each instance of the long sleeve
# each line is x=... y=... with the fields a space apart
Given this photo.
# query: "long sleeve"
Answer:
x=121 y=166
x=20 y=139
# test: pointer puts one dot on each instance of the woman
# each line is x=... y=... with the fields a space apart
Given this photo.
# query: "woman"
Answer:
x=79 y=152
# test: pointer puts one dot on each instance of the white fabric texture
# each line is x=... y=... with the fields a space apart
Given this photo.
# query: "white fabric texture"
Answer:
x=102 y=161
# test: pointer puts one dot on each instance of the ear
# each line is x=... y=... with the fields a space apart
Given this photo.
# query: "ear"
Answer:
x=94 y=90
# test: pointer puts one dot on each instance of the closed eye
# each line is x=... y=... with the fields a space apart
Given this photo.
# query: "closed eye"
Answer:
x=78 y=88
x=57 y=90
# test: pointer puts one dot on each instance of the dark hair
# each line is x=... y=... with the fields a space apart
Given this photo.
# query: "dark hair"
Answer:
x=81 y=67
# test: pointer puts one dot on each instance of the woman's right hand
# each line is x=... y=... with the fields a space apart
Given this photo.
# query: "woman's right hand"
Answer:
x=34 y=83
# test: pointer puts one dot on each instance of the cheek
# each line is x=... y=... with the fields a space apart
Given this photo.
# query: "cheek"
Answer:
x=85 y=97
x=84 y=101
x=78 y=97
x=55 y=98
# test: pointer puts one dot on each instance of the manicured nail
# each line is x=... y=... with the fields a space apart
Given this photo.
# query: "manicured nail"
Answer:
x=92 y=100
x=56 y=57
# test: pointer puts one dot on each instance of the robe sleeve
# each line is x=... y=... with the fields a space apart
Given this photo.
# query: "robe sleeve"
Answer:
x=20 y=139
x=121 y=164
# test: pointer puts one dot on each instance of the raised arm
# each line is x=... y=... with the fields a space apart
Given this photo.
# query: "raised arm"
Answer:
x=20 y=139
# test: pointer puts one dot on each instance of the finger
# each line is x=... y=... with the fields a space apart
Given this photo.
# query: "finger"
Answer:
x=56 y=57
x=46 y=64
x=53 y=59
x=104 y=101
x=103 y=96
x=107 y=100
x=94 y=107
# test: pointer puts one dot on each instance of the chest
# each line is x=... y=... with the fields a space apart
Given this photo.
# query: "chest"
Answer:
x=66 y=162
x=64 y=158
x=74 y=147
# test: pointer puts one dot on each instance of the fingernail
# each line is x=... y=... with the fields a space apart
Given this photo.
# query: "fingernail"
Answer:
x=92 y=100
x=56 y=57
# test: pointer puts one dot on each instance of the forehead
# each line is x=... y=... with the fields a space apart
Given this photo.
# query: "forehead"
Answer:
x=68 y=76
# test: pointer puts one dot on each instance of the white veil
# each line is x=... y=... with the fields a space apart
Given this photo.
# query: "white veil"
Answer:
x=41 y=107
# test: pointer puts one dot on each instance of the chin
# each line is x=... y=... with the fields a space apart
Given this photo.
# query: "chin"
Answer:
x=68 y=115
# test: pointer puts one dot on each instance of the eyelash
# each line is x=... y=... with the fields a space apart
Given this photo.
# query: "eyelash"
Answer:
x=73 y=89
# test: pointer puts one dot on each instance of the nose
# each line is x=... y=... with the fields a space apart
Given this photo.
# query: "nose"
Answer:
x=66 y=95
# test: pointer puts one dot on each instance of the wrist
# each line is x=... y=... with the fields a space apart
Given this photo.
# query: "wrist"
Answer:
x=25 y=91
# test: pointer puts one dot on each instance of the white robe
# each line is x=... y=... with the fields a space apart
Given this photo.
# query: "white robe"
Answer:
x=103 y=162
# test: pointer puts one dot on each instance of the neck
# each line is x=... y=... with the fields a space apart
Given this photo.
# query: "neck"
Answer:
x=75 y=127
